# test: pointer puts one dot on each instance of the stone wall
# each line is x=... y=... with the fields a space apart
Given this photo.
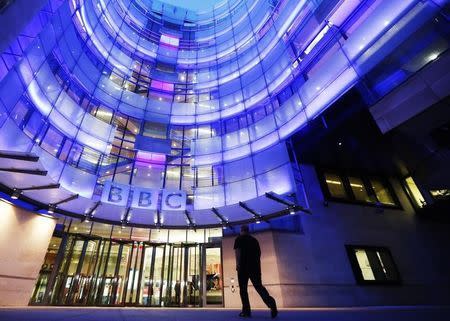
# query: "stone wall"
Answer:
x=24 y=238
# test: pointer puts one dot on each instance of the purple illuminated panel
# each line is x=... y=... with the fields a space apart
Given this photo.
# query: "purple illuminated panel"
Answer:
x=148 y=157
x=162 y=85
x=170 y=40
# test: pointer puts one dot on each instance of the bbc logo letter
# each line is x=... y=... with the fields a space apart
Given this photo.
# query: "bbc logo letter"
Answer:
x=144 y=198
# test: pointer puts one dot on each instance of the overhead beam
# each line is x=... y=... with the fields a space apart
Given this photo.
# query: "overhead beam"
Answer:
x=70 y=198
x=90 y=213
x=19 y=156
x=127 y=216
x=255 y=214
x=33 y=188
x=25 y=171
x=276 y=198
x=189 y=219
x=220 y=216
x=158 y=218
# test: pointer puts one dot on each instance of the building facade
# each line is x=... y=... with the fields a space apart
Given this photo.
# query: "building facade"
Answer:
x=147 y=133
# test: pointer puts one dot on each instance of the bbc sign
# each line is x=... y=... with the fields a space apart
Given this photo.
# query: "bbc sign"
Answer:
x=144 y=198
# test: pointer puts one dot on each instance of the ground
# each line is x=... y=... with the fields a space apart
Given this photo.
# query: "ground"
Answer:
x=409 y=313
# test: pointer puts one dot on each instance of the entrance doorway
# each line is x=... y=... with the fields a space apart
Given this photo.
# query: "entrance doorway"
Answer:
x=88 y=270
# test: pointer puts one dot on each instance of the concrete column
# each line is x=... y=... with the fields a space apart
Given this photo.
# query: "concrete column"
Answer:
x=24 y=238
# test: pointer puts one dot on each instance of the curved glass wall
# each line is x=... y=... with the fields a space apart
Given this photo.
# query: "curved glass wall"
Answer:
x=144 y=94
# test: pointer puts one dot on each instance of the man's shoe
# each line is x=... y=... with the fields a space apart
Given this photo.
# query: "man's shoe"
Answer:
x=245 y=315
x=274 y=311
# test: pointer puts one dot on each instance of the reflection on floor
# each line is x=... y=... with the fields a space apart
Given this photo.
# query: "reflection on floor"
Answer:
x=410 y=313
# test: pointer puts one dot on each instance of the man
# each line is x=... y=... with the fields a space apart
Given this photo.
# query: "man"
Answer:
x=177 y=292
x=248 y=266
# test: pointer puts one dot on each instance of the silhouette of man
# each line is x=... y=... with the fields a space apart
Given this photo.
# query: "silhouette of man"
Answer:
x=248 y=266
x=178 y=292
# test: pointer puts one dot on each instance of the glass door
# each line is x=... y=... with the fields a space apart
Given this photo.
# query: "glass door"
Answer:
x=214 y=280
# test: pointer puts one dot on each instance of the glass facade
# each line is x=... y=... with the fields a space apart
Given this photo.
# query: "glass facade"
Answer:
x=98 y=264
x=148 y=95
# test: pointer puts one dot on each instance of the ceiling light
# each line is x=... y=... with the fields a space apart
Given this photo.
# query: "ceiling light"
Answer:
x=16 y=193
x=291 y=211
x=51 y=209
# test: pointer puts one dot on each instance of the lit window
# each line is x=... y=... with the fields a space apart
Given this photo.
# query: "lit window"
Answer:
x=440 y=194
x=335 y=186
x=169 y=40
x=359 y=190
x=414 y=192
x=382 y=192
x=372 y=264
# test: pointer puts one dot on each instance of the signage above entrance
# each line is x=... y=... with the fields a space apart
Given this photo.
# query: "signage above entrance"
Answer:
x=143 y=198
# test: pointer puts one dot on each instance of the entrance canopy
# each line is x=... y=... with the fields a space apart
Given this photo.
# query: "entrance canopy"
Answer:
x=25 y=180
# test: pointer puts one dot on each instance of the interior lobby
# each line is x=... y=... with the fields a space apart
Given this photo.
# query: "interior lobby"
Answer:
x=138 y=136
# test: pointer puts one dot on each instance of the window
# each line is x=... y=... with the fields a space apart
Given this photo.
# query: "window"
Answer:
x=335 y=186
x=372 y=265
x=382 y=192
x=373 y=191
x=440 y=194
x=414 y=192
x=359 y=190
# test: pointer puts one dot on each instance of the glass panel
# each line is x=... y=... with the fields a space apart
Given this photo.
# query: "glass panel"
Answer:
x=97 y=279
x=359 y=190
x=46 y=269
x=335 y=186
x=214 y=281
x=133 y=273
x=119 y=287
x=382 y=192
x=101 y=230
x=71 y=286
x=364 y=265
x=145 y=284
x=84 y=278
x=191 y=286
x=156 y=280
x=109 y=274
x=414 y=192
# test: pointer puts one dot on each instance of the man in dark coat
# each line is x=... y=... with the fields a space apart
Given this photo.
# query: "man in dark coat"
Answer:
x=248 y=266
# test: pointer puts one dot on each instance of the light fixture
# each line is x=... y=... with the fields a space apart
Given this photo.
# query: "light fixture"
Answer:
x=258 y=221
x=16 y=193
x=51 y=209
x=291 y=211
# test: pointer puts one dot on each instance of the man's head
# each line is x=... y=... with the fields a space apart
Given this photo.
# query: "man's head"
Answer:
x=244 y=229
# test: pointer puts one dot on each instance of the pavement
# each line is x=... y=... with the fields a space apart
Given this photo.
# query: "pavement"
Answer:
x=380 y=313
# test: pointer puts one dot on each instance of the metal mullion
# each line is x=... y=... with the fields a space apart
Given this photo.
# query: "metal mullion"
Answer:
x=66 y=268
x=162 y=275
x=127 y=274
x=75 y=279
x=112 y=298
x=202 y=287
x=141 y=273
x=134 y=272
x=102 y=284
x=170 y=268
x=98 y=264
x=197 y=248
x=54 y=273
x=151 y=275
